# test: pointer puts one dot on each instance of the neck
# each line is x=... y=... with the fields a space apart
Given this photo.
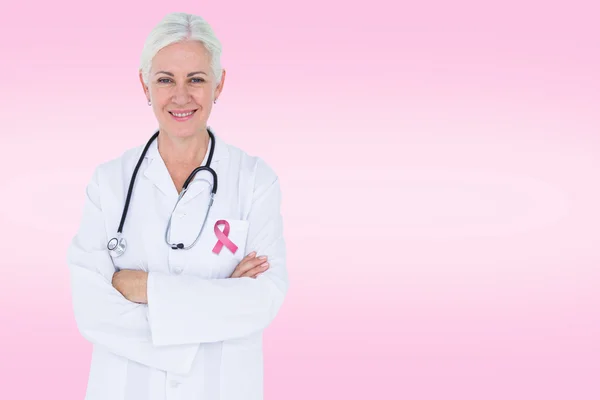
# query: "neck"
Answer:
x=188 y=151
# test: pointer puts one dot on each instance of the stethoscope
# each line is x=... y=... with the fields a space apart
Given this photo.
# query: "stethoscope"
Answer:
x=118 y=245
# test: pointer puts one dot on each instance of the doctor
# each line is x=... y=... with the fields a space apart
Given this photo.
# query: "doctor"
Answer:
x=176 y=270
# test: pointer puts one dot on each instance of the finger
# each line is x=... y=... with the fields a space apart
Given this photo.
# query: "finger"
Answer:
x=257 y=275
x=256 y=270
x=237 y=272
x=249 y=257
x=253 y=273
x=247 y=265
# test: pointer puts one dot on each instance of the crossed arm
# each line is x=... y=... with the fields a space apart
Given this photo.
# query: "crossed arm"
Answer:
x=133 y=284
x=178 y=313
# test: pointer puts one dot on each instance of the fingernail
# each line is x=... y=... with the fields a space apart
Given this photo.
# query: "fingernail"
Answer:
x=252 y=254
x=262 y=258
x=265 y=265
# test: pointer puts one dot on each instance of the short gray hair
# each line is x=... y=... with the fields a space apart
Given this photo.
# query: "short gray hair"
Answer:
x=177 y=27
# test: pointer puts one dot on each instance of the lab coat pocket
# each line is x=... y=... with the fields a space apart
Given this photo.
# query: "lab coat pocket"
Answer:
x=223 y=245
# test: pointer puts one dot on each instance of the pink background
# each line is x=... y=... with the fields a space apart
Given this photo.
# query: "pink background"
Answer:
x=440 y=168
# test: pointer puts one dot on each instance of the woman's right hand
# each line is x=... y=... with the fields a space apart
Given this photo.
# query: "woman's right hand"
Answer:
x=250 y=266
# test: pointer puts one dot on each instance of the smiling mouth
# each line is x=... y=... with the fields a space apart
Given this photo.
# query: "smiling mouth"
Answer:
x=183 y=115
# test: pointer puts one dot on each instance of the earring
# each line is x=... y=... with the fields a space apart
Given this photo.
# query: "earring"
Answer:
x=149 y=103
x=215 y=101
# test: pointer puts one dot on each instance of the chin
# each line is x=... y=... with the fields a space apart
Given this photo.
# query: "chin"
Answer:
x=181 y=129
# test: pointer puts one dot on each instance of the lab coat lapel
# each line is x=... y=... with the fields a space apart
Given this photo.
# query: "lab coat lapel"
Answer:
x=157 y=171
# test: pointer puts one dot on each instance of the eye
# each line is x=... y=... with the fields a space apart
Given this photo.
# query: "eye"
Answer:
x=194 y=80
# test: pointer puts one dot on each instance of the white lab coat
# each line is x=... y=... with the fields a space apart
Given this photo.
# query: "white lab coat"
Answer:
x=200 y=335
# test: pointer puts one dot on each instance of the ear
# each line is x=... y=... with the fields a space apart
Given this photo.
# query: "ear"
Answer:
x=219 y=87
x=144 y=87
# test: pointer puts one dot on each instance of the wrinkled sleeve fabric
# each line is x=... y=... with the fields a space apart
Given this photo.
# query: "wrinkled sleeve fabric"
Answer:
x=103 y=315
x=190 y=309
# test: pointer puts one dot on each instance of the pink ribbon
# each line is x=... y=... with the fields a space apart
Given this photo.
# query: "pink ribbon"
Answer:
x=223 y=238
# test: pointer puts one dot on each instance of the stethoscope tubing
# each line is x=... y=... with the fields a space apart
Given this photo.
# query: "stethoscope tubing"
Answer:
x=117 y=245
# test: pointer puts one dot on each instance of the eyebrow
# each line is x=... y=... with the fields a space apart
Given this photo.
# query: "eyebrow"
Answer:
x=190 y=74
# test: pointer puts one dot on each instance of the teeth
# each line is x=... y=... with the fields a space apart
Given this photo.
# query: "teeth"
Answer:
x=183 y=115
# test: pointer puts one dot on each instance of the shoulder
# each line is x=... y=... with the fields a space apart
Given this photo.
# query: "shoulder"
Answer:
x=254 y=167
x=257 y=181
x=119 y=167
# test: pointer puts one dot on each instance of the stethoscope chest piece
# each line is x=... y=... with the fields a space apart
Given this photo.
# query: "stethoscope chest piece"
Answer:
x=117 y=246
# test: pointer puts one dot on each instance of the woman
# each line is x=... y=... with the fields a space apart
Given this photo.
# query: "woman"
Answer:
x=173 y=282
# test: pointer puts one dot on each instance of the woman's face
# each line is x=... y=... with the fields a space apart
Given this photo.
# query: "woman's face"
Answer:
x=181 y=81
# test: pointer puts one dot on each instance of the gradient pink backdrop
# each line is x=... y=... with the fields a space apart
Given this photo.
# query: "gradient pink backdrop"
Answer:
x=440 y=168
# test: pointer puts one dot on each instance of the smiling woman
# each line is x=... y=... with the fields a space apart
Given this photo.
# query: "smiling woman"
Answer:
x=178 y=95
x=177 y=310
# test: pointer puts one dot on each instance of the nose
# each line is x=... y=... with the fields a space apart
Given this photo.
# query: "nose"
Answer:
x=181 y=94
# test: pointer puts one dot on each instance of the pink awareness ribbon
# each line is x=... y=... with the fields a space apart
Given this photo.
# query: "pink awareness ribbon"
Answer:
x=223 y=238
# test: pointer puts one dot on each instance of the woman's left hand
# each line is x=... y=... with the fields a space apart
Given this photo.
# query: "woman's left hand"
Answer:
x=132 y=284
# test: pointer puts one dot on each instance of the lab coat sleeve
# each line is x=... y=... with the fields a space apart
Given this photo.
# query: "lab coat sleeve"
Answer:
x=190 y=309
x=103 y=315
